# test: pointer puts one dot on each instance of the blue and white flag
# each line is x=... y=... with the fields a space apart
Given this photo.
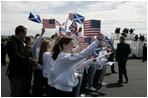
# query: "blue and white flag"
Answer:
x=78 y=18
x=107 y=40
x=34 y=18
x=96 y=52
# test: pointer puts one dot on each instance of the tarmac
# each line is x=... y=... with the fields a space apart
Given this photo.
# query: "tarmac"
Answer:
x=136 y=87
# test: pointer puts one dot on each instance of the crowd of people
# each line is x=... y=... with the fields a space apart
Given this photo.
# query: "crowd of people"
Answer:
x=59 y=68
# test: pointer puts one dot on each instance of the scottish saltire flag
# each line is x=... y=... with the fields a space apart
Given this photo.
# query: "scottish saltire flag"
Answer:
x=107 y=40
x=92 y=27
x=96 y=52
x=49 y=23
x=34 y=18
x=62 y=31
x=71 y=16
x=73 y=27
x=78 y=18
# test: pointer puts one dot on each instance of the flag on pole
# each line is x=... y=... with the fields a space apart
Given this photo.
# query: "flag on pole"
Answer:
x=78 y=18
x=96 y=52
x=107 y=40
x=83 y=45
x=84 y=42
x=34 y=18
x=66 y=25
x=85 y=39
x=92 y=27
x=49 y=23
x=73 y=27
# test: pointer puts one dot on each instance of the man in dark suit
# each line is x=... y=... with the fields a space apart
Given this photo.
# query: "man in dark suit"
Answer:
x=122 y=52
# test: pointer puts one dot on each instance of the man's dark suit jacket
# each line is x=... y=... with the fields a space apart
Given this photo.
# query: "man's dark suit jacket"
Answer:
x=122 y=52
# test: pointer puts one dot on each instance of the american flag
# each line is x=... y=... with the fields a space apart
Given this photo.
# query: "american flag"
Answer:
x=85 y=39
x=49 y=23
x=92 y=27
x=84 y=42
x=84 y=45
x=73 y=27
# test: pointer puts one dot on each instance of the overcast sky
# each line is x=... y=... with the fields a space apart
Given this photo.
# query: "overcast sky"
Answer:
x=123 y=14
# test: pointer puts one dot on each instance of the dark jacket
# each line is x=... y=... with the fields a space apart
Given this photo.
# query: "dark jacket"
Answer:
x=19 y=61
x=122 y=52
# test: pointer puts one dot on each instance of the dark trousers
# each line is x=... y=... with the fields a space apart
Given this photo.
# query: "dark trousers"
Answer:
x=112 y=68
x=59 y=93
x=84 y=81
x=28 y=85
x=19 y=86
x=37 y=90
x=45 y=85
x=3 y=58
x=122 y=70
x=97 y=78
x=51 y=91
x=144 y=56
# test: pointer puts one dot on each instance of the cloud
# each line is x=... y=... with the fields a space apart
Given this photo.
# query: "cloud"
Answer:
x=35 y=6
x=132 y=14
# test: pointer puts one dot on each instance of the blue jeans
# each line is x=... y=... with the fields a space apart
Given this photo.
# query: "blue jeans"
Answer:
x=91 y=73
x=79 y=86
x=76 y=89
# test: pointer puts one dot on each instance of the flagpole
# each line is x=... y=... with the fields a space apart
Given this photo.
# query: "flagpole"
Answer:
x=66 y=24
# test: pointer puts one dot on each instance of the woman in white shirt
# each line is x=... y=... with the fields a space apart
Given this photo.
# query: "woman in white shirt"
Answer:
x=64 y=61
x=37 y=73
x=43 y=61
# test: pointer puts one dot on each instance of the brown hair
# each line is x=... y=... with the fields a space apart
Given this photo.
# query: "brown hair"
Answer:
x=28 y=38
x=42 y=50
x=59 y=45
x=19 y=29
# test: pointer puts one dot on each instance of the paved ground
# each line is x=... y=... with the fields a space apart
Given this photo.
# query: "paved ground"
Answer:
x=137 y=86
